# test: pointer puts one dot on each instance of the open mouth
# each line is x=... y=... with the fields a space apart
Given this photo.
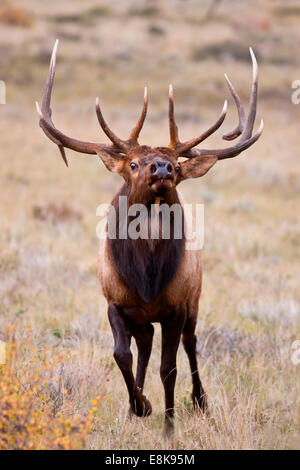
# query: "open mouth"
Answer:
x=161 y=184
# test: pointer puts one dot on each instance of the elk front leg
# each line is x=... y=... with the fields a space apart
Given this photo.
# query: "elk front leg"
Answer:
x=143 y=336
x=123 y=356
x=171 y=332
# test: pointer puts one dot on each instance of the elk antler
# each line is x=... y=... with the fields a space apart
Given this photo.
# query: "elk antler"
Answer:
x=182 y=147
x=117 y=149
x=133 y=139
x=244 y=128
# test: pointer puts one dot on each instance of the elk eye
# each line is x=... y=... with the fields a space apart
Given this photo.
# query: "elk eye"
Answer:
x=177 y=168
x=133 y=165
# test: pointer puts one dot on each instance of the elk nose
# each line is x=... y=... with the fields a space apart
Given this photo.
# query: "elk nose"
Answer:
x=161 y=168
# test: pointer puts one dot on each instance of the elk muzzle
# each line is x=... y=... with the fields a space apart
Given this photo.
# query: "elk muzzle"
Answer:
x=161 y=175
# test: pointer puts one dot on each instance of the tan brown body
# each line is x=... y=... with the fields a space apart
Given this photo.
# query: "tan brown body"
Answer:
x=184 y=290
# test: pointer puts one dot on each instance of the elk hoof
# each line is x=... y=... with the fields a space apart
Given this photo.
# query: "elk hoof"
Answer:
x=141 y=407
x=168 y=428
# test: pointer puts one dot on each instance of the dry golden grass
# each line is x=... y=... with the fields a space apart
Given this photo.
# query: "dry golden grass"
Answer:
x=250 y=308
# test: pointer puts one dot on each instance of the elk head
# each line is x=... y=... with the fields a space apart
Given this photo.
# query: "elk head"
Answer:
x=155 y=172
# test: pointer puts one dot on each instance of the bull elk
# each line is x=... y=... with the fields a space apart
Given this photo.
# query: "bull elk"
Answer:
x=145 y=280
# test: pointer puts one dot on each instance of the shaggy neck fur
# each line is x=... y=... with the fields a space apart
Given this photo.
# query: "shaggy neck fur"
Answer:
x=146 y=266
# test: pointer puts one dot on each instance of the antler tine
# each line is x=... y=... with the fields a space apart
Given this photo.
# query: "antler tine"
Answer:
x=137 y=129
x=46 y=123
x=243 y=145
x=247 y=132
x=242 y=119
x=174 y=141
x=60 y=146
x=228 y=152
x=244 y=128
x=182 y=147
x=46 y=110
x=122 y=144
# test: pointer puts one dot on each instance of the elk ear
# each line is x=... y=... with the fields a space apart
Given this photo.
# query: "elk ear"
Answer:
x=112 y=163
x=196 y=167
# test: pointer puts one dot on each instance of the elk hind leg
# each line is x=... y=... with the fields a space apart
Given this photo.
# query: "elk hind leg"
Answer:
x=189 y=340
x=171 y=332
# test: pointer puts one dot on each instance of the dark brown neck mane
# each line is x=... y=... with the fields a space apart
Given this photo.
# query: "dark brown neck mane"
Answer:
x=146 y=266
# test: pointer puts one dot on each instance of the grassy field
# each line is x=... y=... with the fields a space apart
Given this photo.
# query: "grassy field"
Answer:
x=51 y=307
